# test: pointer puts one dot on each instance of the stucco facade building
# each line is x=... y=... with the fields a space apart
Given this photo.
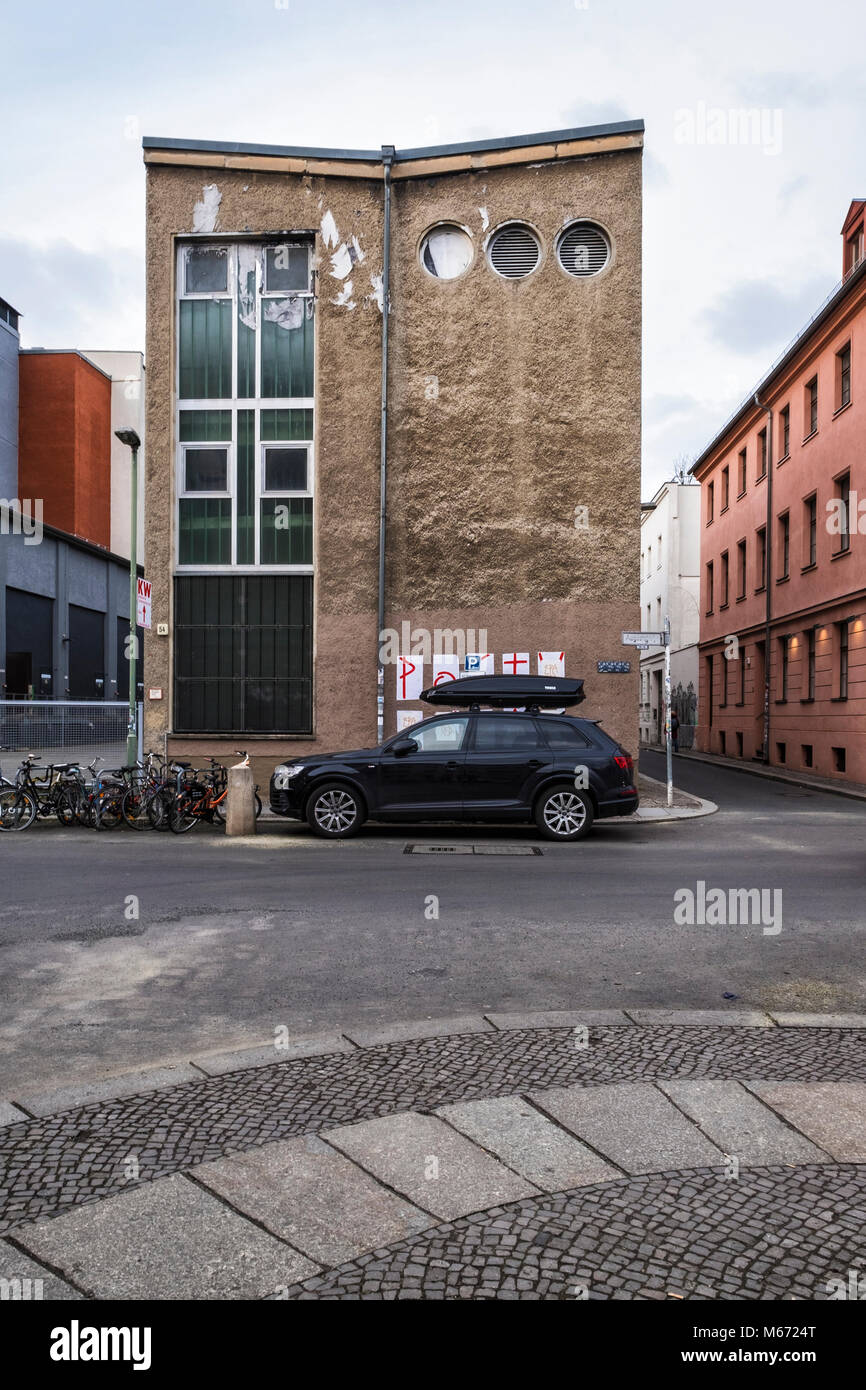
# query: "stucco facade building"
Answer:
x=670 y=588
x=783 y=550
x=509 y=465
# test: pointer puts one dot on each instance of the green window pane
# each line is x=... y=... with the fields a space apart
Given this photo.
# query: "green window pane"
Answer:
x=205 y=426
x=205 y=530
x=205 y=348
x=287 y=531
x=287 y=348
x=286 y=424
x=246 y=487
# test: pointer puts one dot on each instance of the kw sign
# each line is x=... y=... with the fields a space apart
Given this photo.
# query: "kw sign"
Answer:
x=143 y=610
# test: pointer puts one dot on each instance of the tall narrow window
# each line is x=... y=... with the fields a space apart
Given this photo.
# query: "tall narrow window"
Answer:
x=709 y=669
x=784 y=645
x=761 y=537
x=743 y=462
x=742 y=664
x=811 y=412
x=726 y=488
x=810 y=664
x=710 y=587
x=784 y=544
x=843 y=629
x=843 y=377
x=724 y=580
x=741 y=569
x=785 y=429
x=762 y=453
x=843 y=493
x=711 y=492
x=811 y=505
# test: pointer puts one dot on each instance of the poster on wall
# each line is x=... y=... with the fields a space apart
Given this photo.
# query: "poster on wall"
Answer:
x=551 y=663
x=478 y=664
x=407 y=717
x=445 y=668
x=410 y=677
x=515 y=664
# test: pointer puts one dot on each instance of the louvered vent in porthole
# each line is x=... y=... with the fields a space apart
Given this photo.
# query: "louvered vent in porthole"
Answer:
x=583 y=249
x=513 y=252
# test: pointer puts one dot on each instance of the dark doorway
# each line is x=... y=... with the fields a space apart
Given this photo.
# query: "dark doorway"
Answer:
x=28 y=643
x=86 y=653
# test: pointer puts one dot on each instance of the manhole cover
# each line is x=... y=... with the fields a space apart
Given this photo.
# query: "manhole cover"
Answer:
x=472 y=849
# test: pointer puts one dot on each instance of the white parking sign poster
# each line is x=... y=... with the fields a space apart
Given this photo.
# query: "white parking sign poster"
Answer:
x=478 y=664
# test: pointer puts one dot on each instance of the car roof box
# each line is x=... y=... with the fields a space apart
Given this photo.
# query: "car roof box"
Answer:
x=531 y=692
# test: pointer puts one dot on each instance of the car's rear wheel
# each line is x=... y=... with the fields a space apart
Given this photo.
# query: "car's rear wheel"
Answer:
x=563 y=813
x=335 y=811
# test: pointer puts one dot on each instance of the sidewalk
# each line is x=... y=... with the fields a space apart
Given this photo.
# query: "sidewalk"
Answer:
x=590 y=1154
x=856 y=790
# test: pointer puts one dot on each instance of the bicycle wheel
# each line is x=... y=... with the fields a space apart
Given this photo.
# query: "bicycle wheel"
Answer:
x=66 y=808
x=258 y=805
x=157 y=809
x=181 y=813
x=135 y=808
x=17 y=809
x=106 y=811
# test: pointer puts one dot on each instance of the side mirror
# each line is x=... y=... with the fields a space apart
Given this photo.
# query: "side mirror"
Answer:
x=404 y=746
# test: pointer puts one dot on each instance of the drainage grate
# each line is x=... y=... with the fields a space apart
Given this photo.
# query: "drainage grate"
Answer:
x=472 y=849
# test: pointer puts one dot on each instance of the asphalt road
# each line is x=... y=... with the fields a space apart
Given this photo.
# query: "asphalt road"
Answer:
x=234 y=939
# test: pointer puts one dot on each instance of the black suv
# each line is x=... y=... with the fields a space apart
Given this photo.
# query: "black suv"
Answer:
x=471 y=764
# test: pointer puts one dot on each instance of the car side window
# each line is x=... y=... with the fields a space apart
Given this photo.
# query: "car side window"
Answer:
x=444 y=737
x=562 y=735
x=504 y=733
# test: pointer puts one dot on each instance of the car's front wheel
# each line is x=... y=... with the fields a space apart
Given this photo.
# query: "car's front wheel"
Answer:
x=334 y=811
x=563 y=813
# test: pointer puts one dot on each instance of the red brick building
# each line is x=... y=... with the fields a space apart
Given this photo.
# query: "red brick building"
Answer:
x=783 y=550
x=64 y=442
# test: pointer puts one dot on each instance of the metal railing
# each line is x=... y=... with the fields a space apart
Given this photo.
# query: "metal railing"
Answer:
x=67 y=729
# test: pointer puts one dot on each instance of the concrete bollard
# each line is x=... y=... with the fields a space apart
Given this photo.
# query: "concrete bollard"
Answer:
x=240 y=802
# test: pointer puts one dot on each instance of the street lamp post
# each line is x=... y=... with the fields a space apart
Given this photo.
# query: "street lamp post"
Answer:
x=130 y=438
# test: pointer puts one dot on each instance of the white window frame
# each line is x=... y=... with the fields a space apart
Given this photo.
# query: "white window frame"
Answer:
x=256 y=403
x=226 y=445
x=266 y=444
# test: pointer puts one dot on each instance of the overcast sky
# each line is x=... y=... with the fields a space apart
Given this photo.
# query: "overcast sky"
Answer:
x=741 y=239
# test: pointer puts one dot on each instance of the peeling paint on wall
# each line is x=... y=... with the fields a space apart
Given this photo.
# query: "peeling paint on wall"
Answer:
x=206 y=212
x=330 y=235
x=248 y=269
x=485 y=220
x=378 y=291
x=341 y=262
x=285 y=313
x=344 y=298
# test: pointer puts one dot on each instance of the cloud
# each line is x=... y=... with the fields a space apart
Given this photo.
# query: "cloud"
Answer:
x=69 y=297
x=785 y=89
x=754 y=315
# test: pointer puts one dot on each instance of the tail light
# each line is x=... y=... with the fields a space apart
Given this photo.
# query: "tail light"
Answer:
x=625 y=761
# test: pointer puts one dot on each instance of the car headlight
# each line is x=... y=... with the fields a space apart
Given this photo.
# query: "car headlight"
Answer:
x=284 y=774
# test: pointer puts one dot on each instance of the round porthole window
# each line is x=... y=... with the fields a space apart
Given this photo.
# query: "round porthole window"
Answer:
x=583 y=249
x=446 y=252
x=514 y=251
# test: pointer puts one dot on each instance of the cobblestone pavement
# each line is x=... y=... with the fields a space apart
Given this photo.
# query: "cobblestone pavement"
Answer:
x=774 y=1233
x=78 y=1156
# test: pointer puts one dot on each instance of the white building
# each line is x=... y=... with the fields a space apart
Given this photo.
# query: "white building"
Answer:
x=670 y=588
x=126 y=370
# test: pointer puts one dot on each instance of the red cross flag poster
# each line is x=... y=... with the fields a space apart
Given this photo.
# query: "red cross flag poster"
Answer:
x=515 y=664
x=551 y=663
x=410 y=677
x=445 y=668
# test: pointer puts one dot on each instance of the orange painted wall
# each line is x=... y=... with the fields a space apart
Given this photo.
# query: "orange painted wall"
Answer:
x=64 y=442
